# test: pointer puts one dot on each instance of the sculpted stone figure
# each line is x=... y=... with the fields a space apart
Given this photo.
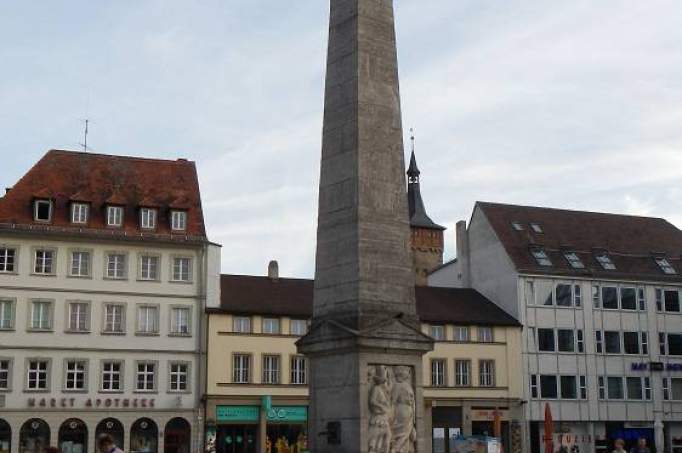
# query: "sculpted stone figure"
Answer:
x=380 y=410
x=404 y=432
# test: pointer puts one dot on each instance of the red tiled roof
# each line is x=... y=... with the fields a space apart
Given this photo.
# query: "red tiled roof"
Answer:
x=631 y=241
x=66 y=176
x=254 y=295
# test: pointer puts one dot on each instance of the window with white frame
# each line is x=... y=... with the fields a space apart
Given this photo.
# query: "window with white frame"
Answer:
x=583 y=387
x=271 y=325
x=568 y=387
x=580 y=340
x=112 y=376
x=114 y=216
x=536 y=227
x=598 y=342
x=462 y=373
x=632 y=343
x=8 y=259
x=602 y=387
x=79 y=213
x=612 y=342
x=596 y=296
x=149 y=267
x=565 y=295
x=641 y=299
x=517 y=226
x=41 y=315
x=75 y=375
x=635 y=390
x=541 y=257
x=145 y=377
x=6 y=314
x=37 y=375
x=628 y=298
x=485 y=334
x=604 y=259
x=437 y=332
x=148 y=319
x=574 y=260
x=44 y=262
x=486 y=373
x=42 y=210
x=270 y=369
x=5 y=378
x=80 y=264
x=609 y=297
x=180 y=320
x=148 y=218
x=462 y=333
x=546 y=340
x=647 y=388
x=438 y=373
x=298 y=327
x=116 y=266
x=533 y=386
x=179 y=375
x=665 y=266
x=241 y=368
x=182 y=269
x=671 y=344
x=178 y=220
x=674 y=386
x=298 y=370
x=114 y=318
x=614 y=388
x=566 y=340
x=79 y=316
x=548 y=386
x=241 y=324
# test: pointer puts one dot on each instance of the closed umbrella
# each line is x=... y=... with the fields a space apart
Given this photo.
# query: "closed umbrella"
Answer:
x=549 y=430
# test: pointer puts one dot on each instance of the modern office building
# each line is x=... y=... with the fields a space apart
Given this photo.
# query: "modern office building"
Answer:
x=104 y=266
x=599 y=298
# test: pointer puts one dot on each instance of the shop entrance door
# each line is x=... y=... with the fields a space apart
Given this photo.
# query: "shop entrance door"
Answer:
x=237 y=439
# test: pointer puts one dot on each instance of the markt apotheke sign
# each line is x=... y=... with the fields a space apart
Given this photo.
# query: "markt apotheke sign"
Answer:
x=252 y=414
x=655 y=366
x=89 y=403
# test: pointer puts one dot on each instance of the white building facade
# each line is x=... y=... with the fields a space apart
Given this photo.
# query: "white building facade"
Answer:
x=599 y=297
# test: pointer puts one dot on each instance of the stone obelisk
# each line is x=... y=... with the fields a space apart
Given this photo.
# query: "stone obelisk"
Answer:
x=365 y=346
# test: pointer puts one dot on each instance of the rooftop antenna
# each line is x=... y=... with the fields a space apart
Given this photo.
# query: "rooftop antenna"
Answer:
x=412 y=137
x=85 y=136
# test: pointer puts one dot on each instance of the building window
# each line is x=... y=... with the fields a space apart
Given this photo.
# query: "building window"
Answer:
x=116 y=266
x=80 y=264
x=241 y=324
x=518 y=226
x=148 y=218
x=111 y=376
x=42 y=210
x=605 y=261
x=148 y=319
x=271 y=326
x=641 y=299
x=75 y=375
x=178 y=220
x=114 y=320
x=665 y=266
x=566 y=340
x=145 y=377
x=438 y=373
x=546 y=340
x=676 y=388
x=672 y=301
x=583 y=387
x=462 y=334
x=182 y=269
x=462 y=373
x=564 y=295
x=485 y=335
x=645 y=343
x=598 y=342
x=581 y=341
x=536 y=227
x=180 y=321
x=596 y=299
x=634 y=388
x=6 y=314
x=662 y=349
x=674 y=344
x=666 y=389
x=569 y=389
x=577 y=296
x=602 y=387
x=79 y=318
x=628 y=298
x=37 y=375
x=615 y=388
x=79 y=213
x=298 y=370
x=5 y=374
x=41 y=315
x=533 y=386
x=44 y=262
x=631 y=342
x=530 y=292
x=7 y=259
x=541 y=257
x=574 y=260
x=659 y=299
x=298 y=327
x=548 y=386
x=179 y=374
x=114 y=216
x=612 y=342
x=149 y=267
x=647 y=389
x=609 y=297
x=486 y=373
x=241 y=366
x=437 y=332
x=270 y=369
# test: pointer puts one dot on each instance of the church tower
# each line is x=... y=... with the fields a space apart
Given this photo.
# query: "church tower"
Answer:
x=427 y=237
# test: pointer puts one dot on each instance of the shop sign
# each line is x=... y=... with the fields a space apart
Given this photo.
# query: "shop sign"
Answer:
x=288 y=414
x=655 y=366
x=484 y=415
x=237 y=413
x=109 y=403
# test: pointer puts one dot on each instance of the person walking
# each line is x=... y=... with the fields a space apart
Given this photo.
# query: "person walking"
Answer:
x=620 y=446
x=641 y=447
x=105 y=444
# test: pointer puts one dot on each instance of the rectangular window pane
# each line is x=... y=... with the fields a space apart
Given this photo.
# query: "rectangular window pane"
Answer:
x=438 y=373
x=566 y=340
x=113 y=321
x=672 y=301
x=628 y=299
x=271 y=326
x=241 y=324
x=615 y=388
x=548 y=386
x=485 y=334
x=462 y=373
x=564 y=296
x=241 y=368
x=7 y=259
x=612 y=340
x=298 y=370
x=634 y=385
x=609 y=297
x=546 y=340
x=116 y=266
x=569 y=389
x=676 y=387
x=487 y=373
x=631 y=342
x=6 y=314
x=461 y=333
x=438 y=333
x=674 y=344
x=180 y=321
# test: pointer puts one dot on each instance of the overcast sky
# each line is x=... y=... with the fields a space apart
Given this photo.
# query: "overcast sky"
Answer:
x=573 y=104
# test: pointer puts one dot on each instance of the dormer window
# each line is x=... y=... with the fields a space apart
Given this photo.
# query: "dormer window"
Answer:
x=518 y=226
x=42 y=210
x=178 y=220
x=79 y=213
x=114 y=216
x=541 y=257
x=604 y=259
x=574 y=260
x=665 y=265
x=537 y=228
x=148 y=218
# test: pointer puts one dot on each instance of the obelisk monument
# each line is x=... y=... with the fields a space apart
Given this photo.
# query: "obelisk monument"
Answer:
x=365 y=346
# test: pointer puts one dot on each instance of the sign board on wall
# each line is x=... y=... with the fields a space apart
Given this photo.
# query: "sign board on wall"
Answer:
x=488 y=415
x=252 y=414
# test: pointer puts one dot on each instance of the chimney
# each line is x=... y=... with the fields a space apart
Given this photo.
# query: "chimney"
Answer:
x=463 y=257
x=273 y=270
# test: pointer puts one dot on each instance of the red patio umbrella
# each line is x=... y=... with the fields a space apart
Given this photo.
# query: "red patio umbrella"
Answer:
x=549 y=430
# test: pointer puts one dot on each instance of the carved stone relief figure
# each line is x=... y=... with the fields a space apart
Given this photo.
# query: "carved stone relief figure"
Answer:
x=380 y=411
x=403 y=426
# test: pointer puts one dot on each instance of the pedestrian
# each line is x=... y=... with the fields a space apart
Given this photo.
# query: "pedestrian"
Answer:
x=620 y=446
x=105 y=444
x=641 y=447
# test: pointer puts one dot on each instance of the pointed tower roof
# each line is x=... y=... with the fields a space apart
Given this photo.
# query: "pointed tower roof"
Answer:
x=413 y=171
x=418 y=216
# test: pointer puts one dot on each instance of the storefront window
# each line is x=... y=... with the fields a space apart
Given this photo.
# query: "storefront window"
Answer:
x=5 y=437
x=112 y=427
x=73 y=436
x=284 y=438
x=144 y=436
x=177 y=436
x=34 y=436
